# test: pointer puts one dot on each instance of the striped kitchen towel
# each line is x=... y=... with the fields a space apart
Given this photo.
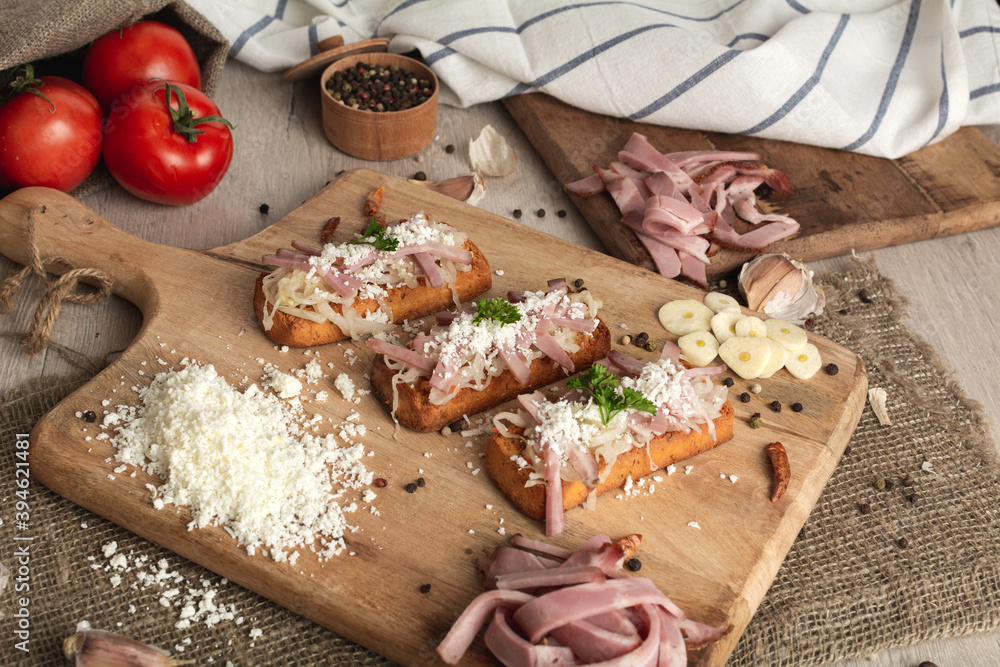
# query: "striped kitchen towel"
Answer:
x=881 y=77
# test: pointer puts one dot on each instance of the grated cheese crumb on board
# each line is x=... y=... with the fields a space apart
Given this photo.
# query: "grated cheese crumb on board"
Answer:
x=239 y=461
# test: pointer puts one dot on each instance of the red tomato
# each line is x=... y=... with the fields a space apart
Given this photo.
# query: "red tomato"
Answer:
x=54 y=143
x=154 y=157
x=124 y=59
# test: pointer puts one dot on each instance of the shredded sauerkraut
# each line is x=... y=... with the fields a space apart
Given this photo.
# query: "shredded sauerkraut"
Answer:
x=326 y=285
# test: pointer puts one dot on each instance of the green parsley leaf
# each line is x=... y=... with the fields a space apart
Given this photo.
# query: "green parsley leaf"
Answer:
x=603 y=387
x=497 y=309
x=374 y=235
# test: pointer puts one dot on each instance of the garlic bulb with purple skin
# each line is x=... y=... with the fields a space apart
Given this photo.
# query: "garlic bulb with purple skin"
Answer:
x=782 y=287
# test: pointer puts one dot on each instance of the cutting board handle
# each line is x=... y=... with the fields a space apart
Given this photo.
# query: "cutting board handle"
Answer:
x=66 y=229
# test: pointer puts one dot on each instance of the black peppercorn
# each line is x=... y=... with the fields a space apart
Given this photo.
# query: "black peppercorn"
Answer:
x=561 y=213
x=745 y=397
x=540 y=213
x=907 y=480
x=864 y=296
x=633 y=564
x=456 y=426
x=578 y=283
x=775 y=405
x=728 y=382
x=411 y=488
x=797 y=407
x=425 y=588
x=832 y=369
x=421 y=482
x=927 y=663
x=450 y=148
x=842 y=311
x=889 y=484
x=865 y=508
x=517 y=214
x=89 y=416
x=903 y=542
x=264 y=208
x=420 y=176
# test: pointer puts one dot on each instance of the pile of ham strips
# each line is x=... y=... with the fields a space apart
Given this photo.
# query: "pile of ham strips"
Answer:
x=553 y=606
x=683 y=206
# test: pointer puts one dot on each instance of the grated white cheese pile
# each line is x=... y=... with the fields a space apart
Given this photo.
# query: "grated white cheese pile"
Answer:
x=239 y=461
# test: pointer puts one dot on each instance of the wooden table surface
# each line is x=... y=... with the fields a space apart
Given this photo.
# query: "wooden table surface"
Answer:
x=282 y=158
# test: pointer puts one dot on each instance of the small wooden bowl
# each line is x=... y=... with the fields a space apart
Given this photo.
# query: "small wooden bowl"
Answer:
x=379 y=135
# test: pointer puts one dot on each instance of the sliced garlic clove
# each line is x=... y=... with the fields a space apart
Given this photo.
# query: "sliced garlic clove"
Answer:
x=699 y=348
x=747 y=357
x=752 y=327
x=779 y=355
x=803 y=362
x=491 y=155
x=724 y=324
x=786 y=333
x=685 y=316
x=718 y=301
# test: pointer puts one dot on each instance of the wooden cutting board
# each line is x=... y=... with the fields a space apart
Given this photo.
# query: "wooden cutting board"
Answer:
x=843 y=201
x=196 y=304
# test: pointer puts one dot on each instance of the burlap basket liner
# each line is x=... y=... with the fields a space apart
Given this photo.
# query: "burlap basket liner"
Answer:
x=847 y=589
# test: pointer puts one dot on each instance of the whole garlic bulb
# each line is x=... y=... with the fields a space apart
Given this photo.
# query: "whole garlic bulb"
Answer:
x=782 y=287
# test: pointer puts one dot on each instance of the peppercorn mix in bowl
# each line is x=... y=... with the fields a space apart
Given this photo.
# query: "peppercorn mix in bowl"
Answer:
x=379 y=106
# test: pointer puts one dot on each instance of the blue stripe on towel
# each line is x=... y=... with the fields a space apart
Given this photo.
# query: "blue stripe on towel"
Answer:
x=748 y=35
x=451 y=37
x=985 y=90
x=584 y=57
x=890 y=87
x=809 y=84
x=797 y=7
x=395 y=10
x=313 y=33
x=245 y=36
x=279 y=11
x=978 y=29
x=942 y=102
x=685 y=85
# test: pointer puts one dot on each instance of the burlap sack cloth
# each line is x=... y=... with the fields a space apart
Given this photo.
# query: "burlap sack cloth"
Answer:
x=922 y=563
x=53 y=35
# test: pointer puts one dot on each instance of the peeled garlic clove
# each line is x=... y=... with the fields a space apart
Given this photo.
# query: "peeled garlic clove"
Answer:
x=491 y=155
x=877 y=398
x=97 y=648
x=780 y=286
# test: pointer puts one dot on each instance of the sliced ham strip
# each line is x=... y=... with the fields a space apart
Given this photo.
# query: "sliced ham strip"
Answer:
x=627 y=196
x=592 y=643
x=553 y=492
x=586 y=187
x=560 y=576
x=660 y=184
x=541 y=547
x=306 y=248
x=430 y=268
x=454 y=253
x=672 y=352
x=670 y=214
x=664 y=257
x=516 y=365
x=464 y=630
x=550 y=347
x=693 y=267
x=687 y=159
x=401 y=354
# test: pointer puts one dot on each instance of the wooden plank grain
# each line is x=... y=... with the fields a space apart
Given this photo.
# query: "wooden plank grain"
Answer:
x=843 y=201
x=718 y=573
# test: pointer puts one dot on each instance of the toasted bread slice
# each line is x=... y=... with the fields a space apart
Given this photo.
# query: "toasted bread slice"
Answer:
x=415 y=411
x=406 y=303
x=502 y=453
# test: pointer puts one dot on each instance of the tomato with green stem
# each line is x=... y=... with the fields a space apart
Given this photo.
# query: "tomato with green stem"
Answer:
x=50 y=132
x=169 y=144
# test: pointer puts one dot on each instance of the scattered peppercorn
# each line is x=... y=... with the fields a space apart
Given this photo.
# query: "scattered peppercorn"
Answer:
x=517 y=214
x=421 y=482
x=578 y=283
x=927 y=663
x=723 y=284
x=540 y=213
x=810 y=321
x=651 y=346
x=745 y=397
x=756 y=421
x=264 y=208
x=889 y=484
x=371 y=87
x=411 y=488
x=842 y=311
x=832 y=369
x=912 y=498
x=425 y=588
x=380 y=482
x=775 y=405
x=633 y=564
x=796 y=407
x=456 y=426
x=728 y=382
x=880 y=484
x=864 y=296
x=903 y=542
x=907 y=480
x=626 y=339
x=755 y=388
x=561 y=213
x=89 y=416
x=450 y=148
x=420 y=176
x=865 y=508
